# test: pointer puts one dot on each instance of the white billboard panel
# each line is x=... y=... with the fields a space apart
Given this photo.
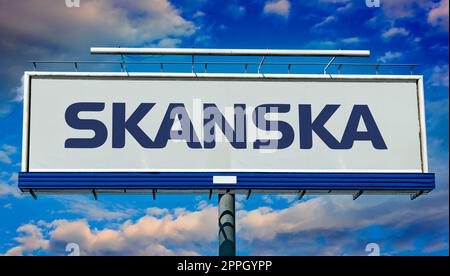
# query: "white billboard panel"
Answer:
x=88 y=122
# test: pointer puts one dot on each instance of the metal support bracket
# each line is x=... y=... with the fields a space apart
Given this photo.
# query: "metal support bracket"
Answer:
x=328 y=65
x=416 y=195
x=33 y=194
x=339 y=69
x=210 y=193
x=154 y=194
x=358 y=194
x=301 y=194
x=261 y=64
x=95 y=194
x=411 y=68
x=249 y=193
x=123 y=65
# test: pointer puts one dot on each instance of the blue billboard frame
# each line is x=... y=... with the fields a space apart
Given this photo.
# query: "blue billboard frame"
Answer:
x=246 y=182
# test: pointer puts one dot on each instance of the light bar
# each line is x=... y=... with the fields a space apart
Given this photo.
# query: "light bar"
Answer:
x=228 y=52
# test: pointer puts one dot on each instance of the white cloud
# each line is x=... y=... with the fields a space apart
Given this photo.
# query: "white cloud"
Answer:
x=222 y=27
x=100 y=21
x=287 y=198
x=373 y=22
x=17 y=93
x=4 y=158
x=198 y=14
x=389 y=56
x=395 y=31
x=278 y=7
x=49 y=30
x=4 y=109
x=270 y=199
x=157 y=212
x=32 y=239
x=9 y=149
x=319 y=44
x=203 y=204
x=346 y=7
x=187 y=233
x=326 y=21
x=9 y=189
x=168 y=43
x=236 y=11
x=267 y=199
x=94 y=210
x=335 y=220
x=438 y=15
x=400 y=9
x=5 y=153
x=340 y=6
x=436 y=11
x=14 y=177
x=439 y=48
x=440 y=76
x=351 y=40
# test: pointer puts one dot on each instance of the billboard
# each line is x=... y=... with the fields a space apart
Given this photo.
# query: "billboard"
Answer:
x=80 y=122
x=223 y=128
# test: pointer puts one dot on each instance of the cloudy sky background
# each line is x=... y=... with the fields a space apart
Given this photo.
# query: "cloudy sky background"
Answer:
x=400 y=31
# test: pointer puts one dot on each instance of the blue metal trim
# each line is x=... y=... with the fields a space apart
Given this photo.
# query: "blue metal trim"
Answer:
x=254 y=181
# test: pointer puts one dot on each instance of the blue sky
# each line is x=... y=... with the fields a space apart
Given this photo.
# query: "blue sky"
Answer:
x=401 y=31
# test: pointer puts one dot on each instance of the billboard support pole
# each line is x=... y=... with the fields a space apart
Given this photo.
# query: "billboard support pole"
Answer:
x=227 y=224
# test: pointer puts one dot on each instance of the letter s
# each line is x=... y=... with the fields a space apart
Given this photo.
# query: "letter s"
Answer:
x=100 y=130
